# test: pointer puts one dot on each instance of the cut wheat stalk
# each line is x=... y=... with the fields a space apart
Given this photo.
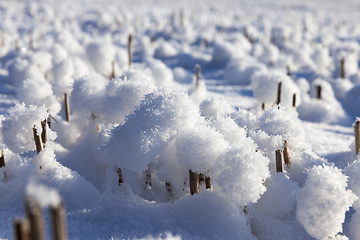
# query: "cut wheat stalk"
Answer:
x=357 y=136
x=288 y=71
x=294 y=100
x=194 y=182
x=148 y=183
x=279 y=160
x=120 y=175
x=208 y=182
x=58 y=219
x=2 y=159
x=17 y=45
x=112 y=76
x=130 y=49
x=205 y=43
x=342 y=68
x=197 y=75
x=36 y=220
x=286 y=155
x=44 y=132
x=21 y=229
x=318 y=91
x=279 y=93
x=67 y=107
x=31 y=42
x=2 y=162
x=38 y=141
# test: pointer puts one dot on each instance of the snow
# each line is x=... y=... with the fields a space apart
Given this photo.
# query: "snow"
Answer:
x=121 y=164
x=43 y=195
x=265 y=85
x=323 y=201
x=240 y=71
x=279 y=198
x=17 y=127
x=101 y=55
x=147 y=130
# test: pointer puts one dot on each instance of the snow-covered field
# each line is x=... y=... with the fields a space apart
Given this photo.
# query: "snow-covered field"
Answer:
x=121 y=161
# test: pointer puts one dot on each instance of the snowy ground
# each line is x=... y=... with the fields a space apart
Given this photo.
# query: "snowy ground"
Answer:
x=152 y=120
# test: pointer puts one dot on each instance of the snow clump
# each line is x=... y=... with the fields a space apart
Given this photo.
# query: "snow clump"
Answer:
x=240 y=71
x=265 y=86
x=148 y=130
x=43 y=195
x=38 y=92
x=323 y=201
x=17 y=128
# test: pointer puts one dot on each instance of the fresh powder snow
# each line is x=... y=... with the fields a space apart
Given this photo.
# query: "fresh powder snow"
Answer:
x=180 y=119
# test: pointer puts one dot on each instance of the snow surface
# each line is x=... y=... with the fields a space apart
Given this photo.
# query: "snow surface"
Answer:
x=155 y=121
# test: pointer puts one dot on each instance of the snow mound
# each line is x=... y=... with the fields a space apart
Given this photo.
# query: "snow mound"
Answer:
x=38 y=92
x=147 y=130
x=240 y=71
x=19 y=125
x=101 y=55
x=265 y=86
x=324 y=108
x=323 y=201
x=43 y=195
x=279 y=198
